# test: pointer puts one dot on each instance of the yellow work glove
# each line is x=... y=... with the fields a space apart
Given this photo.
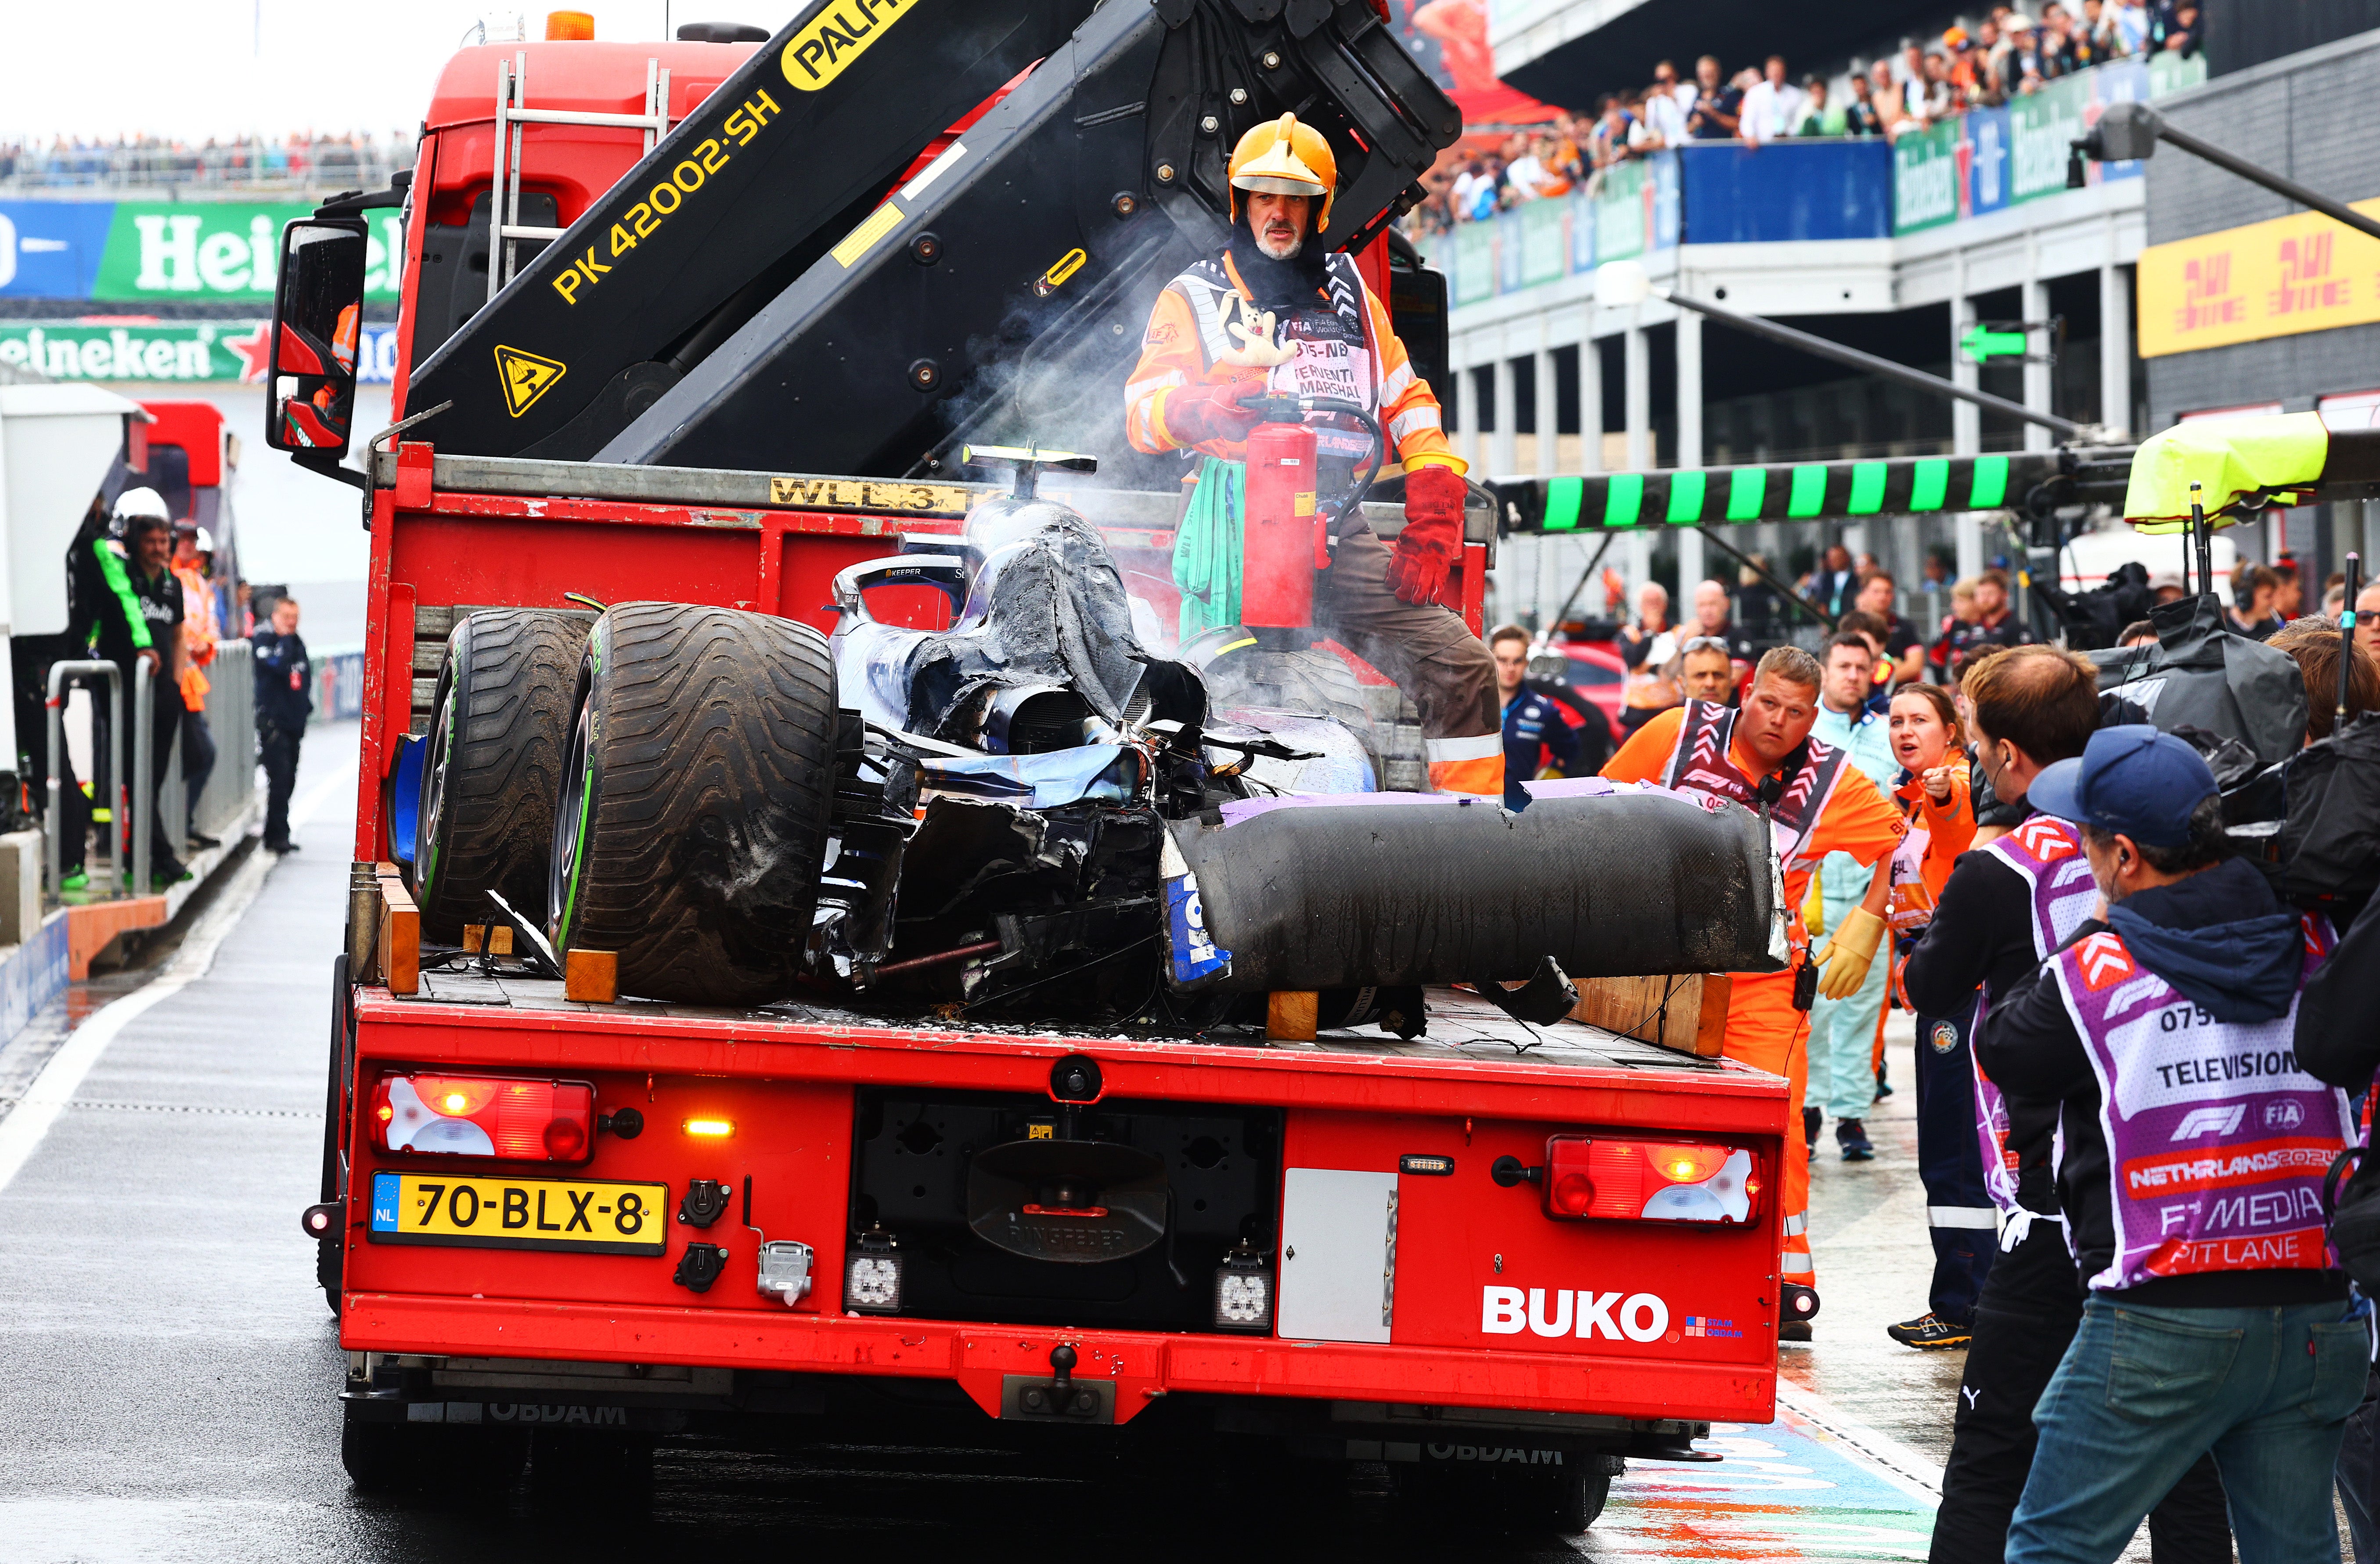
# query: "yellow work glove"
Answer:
x=1814 y=906
x=1849 y=954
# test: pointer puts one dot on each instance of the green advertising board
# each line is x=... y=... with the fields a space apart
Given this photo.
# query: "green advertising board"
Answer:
x=1621 y=214
x=1925 y=177
x=2170 y=73
x=1545 y=241
x=222 y=251
x=2041 y=127
x=170 y=351
x=1475 y=263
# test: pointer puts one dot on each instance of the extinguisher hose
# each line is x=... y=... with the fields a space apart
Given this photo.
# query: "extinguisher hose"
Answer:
x=1369 y=467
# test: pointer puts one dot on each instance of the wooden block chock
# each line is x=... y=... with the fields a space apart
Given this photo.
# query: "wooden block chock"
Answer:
x=1682 y=1012
x=591 y=976
x=1291 y=1015
x=479 y=937
x=397 y=951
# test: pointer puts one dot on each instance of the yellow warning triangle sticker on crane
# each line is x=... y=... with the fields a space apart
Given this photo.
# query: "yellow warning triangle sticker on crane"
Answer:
x=526 y=375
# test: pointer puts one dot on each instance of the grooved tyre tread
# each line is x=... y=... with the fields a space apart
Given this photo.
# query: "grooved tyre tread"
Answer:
x=502 y=721
x=693 y=824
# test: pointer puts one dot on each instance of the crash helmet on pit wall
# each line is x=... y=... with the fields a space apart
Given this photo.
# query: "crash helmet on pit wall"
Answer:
x=1284 y=158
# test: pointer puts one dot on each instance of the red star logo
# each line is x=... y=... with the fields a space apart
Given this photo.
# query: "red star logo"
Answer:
x=255 y=352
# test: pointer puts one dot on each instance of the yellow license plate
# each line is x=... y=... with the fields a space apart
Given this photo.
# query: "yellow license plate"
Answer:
x=583 y=1215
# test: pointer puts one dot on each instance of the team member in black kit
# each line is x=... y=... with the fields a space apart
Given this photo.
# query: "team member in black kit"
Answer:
x=284 y=699
x=2007 y=906
x=127 y=583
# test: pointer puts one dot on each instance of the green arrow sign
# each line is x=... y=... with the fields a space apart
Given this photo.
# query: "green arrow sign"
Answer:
x=1980 y=344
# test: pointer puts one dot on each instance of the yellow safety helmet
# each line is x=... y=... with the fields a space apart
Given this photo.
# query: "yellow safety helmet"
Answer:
x=1284 y=158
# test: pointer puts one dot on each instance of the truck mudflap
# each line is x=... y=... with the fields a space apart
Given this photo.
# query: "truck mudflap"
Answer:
x=1437 y=888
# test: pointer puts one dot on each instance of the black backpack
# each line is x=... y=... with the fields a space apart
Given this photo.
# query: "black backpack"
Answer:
x=2330 y=825
x=2354 y=1213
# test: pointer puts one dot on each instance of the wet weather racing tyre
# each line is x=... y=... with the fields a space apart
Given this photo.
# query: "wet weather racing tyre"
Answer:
x=693 y=811
x=499 y=725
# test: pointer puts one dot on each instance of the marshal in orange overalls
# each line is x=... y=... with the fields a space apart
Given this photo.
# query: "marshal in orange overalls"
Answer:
x=1763 y=1029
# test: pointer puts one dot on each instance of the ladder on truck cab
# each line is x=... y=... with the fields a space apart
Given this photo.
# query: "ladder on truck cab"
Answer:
x=512 y=114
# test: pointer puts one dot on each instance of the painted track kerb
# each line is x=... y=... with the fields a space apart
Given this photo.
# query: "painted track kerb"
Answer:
x=21 y=1131
x=1887 y=1456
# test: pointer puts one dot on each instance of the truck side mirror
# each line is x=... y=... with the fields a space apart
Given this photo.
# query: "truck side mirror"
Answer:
x=316 y=322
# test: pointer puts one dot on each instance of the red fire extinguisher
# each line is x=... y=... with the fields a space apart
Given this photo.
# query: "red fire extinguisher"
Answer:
x=1286 y=538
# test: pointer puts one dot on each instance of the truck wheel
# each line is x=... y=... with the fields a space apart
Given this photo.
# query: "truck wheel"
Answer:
x=444 y=1461
x=498 y=727
x=1579 y=1501
x=576 y=1472
x=377 y=1456
x=330 y=1269
x=692 y=825
x=1565 y=1501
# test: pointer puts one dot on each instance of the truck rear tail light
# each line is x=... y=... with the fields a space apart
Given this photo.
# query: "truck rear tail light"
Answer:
x=520 y=1121
x=1661 y=1181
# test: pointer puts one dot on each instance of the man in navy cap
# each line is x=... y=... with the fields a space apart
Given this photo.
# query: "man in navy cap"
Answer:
x=2195 y=1146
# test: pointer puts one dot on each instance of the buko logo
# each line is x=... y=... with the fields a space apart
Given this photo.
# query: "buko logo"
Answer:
x=1507 y=1310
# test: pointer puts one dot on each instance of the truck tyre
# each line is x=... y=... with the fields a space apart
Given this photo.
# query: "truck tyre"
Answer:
x=387 y=1458
x=1564 y=1500
x=693 y=819
x=498 y=727
x=377 y=1456
x=330 y=1262
x=572 y=1471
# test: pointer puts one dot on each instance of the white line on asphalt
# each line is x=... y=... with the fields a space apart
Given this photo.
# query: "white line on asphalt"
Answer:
x=1887 y=1456
x=302 y=809
x=22 y=1130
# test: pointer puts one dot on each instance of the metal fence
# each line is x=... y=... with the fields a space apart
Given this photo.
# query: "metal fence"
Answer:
x=231 y=719
x=250 y=167
x=227 y=795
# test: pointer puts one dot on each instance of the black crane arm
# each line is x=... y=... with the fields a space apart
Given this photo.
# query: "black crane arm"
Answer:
x=778 y=163
x=1001 y=296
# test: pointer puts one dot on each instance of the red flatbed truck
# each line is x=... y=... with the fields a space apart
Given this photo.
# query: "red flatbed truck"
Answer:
x=1496 y=1254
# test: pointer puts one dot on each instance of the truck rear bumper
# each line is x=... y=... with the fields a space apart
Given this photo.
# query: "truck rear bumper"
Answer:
x=983 y=1359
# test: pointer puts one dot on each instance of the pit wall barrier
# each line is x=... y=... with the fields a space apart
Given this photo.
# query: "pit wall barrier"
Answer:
x=228 y=806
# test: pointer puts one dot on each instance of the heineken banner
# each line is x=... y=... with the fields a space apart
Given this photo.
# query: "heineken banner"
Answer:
x=136 y=252
x=131 y=350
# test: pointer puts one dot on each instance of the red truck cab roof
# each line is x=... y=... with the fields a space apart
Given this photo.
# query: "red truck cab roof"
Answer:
x=574 y=162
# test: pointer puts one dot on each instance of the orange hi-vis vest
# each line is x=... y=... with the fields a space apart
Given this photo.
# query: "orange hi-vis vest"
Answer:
x=1345 y=346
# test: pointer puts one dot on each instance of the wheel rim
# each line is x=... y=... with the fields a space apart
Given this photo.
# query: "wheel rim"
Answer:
x=570 y=830
x=433 y=808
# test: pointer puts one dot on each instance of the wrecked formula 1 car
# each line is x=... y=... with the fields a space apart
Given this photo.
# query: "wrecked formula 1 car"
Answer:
x=1042 y=817
x=1029 y=815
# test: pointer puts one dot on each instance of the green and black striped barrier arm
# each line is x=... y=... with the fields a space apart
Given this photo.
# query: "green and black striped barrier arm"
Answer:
x=1809 y=490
